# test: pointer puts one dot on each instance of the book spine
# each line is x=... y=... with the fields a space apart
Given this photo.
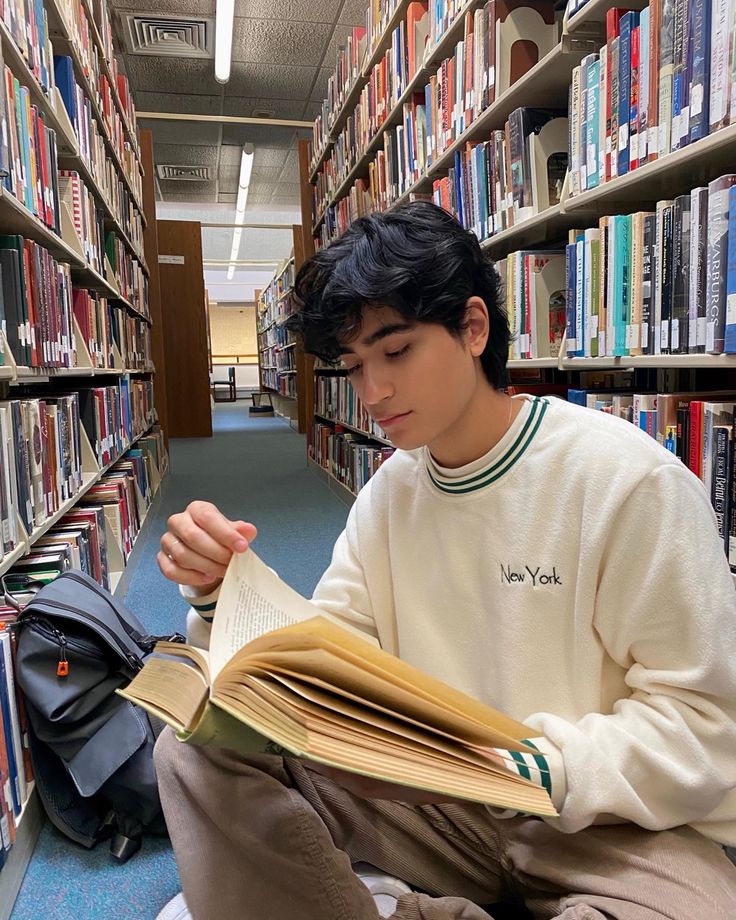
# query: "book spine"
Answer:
x=634 y=99
x=615 y=67
x=730 y=330
x=678 y=73
x=718 y=217
x=699 y=46
x=720 y=71
x=666 y=72
x=624 y=94
x=571 y=300
x=655 y=8
x=722 y=442
x=643 y=89
x=574 y=132
x=592 y=122
x=666 y=278
x=648 y=245
x=698 y=269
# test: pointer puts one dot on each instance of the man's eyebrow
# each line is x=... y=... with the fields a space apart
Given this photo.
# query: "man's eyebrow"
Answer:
x=379 y=334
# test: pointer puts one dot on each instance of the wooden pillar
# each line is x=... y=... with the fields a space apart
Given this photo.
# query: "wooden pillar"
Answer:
x=185 y=328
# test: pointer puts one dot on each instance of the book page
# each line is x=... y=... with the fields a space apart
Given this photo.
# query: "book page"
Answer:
x=253 y=600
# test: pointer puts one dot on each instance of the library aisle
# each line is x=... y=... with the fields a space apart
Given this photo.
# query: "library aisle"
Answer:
x=254 y=469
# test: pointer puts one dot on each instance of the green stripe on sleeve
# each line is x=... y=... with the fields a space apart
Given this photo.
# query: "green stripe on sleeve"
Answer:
x=521 y=766
x=541 y=762
x=203 y=608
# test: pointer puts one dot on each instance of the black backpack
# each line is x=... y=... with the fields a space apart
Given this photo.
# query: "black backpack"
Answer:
x=91 y=750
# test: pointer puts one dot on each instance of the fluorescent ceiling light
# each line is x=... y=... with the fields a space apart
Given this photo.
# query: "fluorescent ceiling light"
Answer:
x=223 y=39
x=246 y=168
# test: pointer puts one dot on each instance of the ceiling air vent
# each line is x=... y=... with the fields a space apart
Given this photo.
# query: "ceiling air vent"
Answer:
x=185 y=173
x=170 y=36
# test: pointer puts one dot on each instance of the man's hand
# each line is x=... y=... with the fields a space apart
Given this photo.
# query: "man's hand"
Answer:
x=198 y=545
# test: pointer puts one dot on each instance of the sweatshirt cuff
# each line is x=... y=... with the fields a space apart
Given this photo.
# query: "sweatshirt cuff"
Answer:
x=204 y=604
x=544 y=768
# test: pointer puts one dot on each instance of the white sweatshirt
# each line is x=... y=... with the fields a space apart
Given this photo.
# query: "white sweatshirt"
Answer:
x=572 y=578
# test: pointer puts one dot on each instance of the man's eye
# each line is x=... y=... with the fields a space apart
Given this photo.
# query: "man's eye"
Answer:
x=352 y=370
x=399 y=353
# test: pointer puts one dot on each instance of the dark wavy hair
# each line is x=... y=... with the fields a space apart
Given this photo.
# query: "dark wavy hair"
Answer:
x=417 y=259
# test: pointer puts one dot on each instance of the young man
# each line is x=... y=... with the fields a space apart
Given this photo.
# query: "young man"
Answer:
x=554 y=562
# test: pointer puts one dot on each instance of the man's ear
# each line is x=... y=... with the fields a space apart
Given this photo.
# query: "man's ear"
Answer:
x=477 y=325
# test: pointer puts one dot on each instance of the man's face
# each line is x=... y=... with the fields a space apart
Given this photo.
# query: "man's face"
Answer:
x=415 y=380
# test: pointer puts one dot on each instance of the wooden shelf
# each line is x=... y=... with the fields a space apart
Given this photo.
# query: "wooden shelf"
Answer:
x=519 y=363
x=670 y=175
x=711 y=362
x=339 y=488
x=594 y=13
x=544 y=227
x=365 y=434
x=16 y=218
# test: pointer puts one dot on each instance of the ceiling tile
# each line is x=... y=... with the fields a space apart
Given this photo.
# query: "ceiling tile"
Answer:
x=353 y=12
x=159 y=74
x=276 y=81
x=319 y=90
x=266 y=41
x=311 y=110
x=249 y=105
x=181 y=155
x=296 y=10
x=270 y=157
x=186 y=133
x=292 y=162
x=162 y=7
x=227 y=198
x=258 y=135
x=181 y=103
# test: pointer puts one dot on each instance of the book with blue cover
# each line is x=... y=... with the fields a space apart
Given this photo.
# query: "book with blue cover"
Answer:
x=730 y=329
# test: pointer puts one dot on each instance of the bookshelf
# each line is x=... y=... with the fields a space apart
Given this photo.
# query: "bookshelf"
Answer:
x=548 y=83
x=114 y=350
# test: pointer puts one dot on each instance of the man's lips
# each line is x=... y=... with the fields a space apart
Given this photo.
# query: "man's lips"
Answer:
x=391 y=419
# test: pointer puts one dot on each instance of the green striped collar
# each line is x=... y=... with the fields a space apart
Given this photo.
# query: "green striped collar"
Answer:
x=498 y=466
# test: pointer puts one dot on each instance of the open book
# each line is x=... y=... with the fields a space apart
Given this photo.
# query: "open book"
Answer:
x=279 y=678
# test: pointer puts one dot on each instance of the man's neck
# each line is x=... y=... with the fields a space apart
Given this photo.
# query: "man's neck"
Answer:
x=486 y=419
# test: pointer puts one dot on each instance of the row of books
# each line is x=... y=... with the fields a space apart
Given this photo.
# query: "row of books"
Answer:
x=463 y=85
x=286 y=359
x=103 y=327
x=347 y=456
x=27 y=23
x=28 y=155
x=341 y=81
x=336 y=399
x=698 y=428
x=74 y=11
x=128 y=274
x=656 y=282
x=75 y=15
x=492 y=185
x=534 y=283
x=36 y=308
x=663 y=80
x=42 y=455
x=94 y=153
x=82 y=540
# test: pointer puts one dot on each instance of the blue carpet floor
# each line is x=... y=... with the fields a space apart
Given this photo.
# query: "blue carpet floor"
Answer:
x=252 y=470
